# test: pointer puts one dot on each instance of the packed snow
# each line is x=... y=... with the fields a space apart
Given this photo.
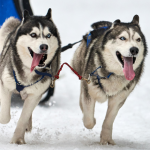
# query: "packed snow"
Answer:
x=58 y=125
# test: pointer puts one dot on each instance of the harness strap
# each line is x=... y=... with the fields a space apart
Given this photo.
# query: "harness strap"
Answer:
x=109 y=75
x=89 y=37
x=20 y=87
x=91 y=74
x=43 y=73
x=99 y=77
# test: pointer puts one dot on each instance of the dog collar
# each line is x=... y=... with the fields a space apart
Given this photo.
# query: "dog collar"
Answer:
x=89 y=35
x=20 y=87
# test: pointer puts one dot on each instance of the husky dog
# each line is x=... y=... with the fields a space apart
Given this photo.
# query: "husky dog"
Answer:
x=120 y=50
x=32 y=43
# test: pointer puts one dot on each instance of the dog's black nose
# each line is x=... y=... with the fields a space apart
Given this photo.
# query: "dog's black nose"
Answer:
x=44 y=47
x=134 y=50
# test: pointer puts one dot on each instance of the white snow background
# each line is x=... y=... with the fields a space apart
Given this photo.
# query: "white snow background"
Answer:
x=60 y=127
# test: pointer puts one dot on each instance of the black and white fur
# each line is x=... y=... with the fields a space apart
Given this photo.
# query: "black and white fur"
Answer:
x=17 y=39
x=102 y=51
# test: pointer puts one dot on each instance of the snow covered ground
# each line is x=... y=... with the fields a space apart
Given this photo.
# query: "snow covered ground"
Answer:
x=60 y=127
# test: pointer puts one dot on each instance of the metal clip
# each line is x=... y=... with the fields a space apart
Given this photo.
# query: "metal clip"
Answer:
x=52 y=85
x=88 y=81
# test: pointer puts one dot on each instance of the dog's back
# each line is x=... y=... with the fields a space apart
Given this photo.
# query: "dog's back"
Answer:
x=80 y=54
x=77 y=61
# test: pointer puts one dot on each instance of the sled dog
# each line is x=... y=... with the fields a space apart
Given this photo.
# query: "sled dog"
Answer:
x=26 y=46
x=120 y=49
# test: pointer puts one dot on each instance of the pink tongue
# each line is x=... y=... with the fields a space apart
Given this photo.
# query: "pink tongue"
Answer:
x=128 y=68
x=35 y=61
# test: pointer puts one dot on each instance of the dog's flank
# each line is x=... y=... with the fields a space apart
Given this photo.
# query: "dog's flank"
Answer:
x=120 y=49
x=32 y=43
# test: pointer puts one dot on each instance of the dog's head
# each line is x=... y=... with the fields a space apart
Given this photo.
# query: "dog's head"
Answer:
x=37 y=40
x=124 y=47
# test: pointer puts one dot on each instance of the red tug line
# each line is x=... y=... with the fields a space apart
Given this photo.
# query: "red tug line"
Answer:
x=57 y=75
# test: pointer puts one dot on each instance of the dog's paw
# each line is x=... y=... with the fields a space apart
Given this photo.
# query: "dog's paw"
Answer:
x=89 y=123
x=18 y=141
x=107 y=142
x=106 y=137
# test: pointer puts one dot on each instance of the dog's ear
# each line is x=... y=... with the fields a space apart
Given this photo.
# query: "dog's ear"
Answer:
x=135 y=20
x=25 y=16
x=116 y=22
x=49 y=14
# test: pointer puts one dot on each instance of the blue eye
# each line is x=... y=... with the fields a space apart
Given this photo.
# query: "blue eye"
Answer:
x=33 y=35
x=123 y=38
x=48 y=36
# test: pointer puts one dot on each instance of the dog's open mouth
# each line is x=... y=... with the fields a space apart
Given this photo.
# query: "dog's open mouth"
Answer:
x=121 y=58
x=38 y=59
x=127 y=64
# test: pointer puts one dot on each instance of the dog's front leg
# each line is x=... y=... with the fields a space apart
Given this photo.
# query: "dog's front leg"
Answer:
x=28 y=107
x=87 y=106
x=29 y=125
x=114 y=104
x=5 y=101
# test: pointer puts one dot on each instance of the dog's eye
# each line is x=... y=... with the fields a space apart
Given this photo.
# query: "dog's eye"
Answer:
x=48 y=35
x=138 y=40
x=33 y=35
x=122 y=38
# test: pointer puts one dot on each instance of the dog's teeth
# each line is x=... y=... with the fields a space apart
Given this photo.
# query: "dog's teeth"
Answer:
x=121 y=57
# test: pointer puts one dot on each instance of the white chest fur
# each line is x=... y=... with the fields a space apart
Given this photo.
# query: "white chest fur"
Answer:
x=110 y=87
x=114 y=84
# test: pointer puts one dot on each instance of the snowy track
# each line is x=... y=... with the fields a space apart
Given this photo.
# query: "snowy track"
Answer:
x=60 y=127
